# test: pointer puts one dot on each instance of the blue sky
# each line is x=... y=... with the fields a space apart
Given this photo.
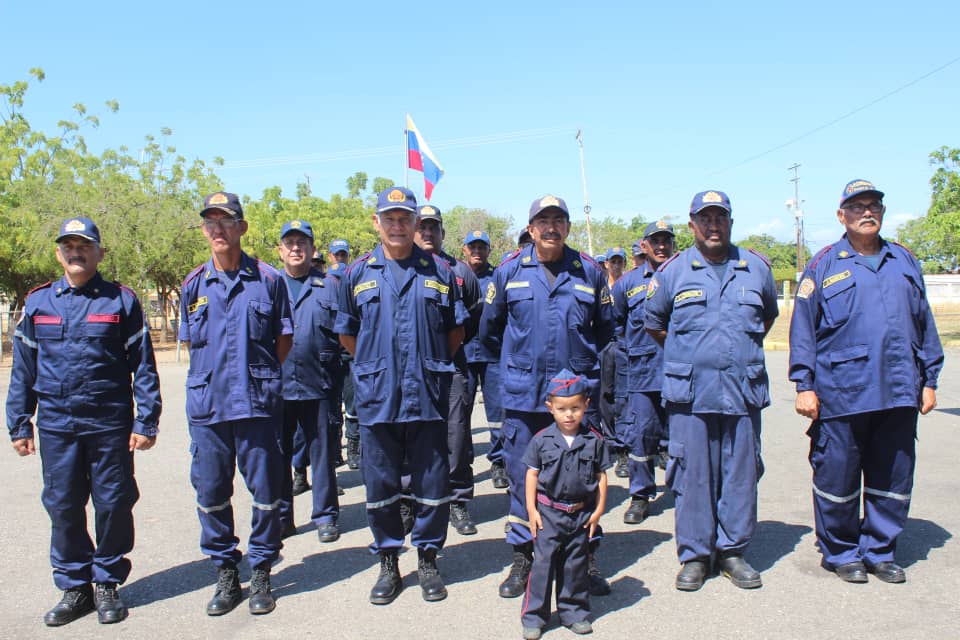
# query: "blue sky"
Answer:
x=671 y=100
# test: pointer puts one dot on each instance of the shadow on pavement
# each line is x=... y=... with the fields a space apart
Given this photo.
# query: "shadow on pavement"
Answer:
x=664 y=501
x=773 y=541
x=489 y=506
x=620 y=549
x=625 y=592
x=324 y=568
x=473 y=560
x=172 y=582
x=919 y=537
x=954 y=411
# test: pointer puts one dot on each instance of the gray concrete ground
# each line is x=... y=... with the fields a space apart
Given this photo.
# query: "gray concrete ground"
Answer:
x=322 y=588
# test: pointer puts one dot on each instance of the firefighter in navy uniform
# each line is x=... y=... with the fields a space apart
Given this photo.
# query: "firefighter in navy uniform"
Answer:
x=865 y=356
x=547 y=309
x=710 y=307
x=235 y=313
x=311 y=376
x=74 y=351
x=401 y=317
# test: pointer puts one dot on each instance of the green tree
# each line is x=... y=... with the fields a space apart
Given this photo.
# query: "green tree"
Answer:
x=935 y=238
x=460 y=220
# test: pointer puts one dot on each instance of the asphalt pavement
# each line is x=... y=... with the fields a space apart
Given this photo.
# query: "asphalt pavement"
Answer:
x=322 y=588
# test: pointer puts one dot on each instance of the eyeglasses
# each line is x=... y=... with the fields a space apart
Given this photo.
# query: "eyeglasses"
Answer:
x=301 y=243
x=226 y=224
x=858 y=208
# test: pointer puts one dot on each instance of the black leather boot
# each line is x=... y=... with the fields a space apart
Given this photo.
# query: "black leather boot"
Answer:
x=516 y=582
x=75 y=603
x=261 y=598
x=389 y=584
x=110 y=607
x=429 y=575
x=228 y=594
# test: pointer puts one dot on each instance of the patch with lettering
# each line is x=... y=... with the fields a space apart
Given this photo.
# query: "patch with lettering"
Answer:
x=686 y=295
x=517 y=284
x=363 y=286
x=47 y=320
x=806 y=288
x=585 y=288
x=202 y=300
x=637 y=290
x=433 y=284
x=835 y=278
x=112 y=318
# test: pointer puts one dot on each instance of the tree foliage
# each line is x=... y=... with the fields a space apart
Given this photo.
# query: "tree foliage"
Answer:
x=935 y=238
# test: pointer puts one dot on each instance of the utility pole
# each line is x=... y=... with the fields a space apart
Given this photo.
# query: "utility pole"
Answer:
x=586 y=197
x=798 y=217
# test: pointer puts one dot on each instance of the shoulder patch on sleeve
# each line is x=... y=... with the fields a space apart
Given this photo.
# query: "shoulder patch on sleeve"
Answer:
x=806 y=288
x=491 y=293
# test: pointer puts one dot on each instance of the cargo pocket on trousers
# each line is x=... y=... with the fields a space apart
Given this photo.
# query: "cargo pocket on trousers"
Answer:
x=675 y=467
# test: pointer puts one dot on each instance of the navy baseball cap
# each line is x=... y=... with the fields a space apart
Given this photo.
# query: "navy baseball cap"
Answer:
x=396 y=198
x=660 y=226
x=297 y=225
x=80 y=227
x=430 y=212
x=318 y=257
x=547 y=202
x=223 y=201
x=567 y=383
x=600 y=257
x=859 y=187
x=616 y=251
x=525 y=238
x=637 y=249
x=477 y=236
x=339 y=245
x=711 y=198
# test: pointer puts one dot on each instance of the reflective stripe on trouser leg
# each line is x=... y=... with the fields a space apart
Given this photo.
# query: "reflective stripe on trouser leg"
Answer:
x=560 y=554
x=212 y=467
x=75 y=468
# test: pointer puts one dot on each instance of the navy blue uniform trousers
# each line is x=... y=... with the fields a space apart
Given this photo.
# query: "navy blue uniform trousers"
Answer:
x=560 y=554
x=640 y=430
x=880 y=448
x=311 y=418
x=388 y=451
x=77 y=468
x=253 y=446
x=713 y=471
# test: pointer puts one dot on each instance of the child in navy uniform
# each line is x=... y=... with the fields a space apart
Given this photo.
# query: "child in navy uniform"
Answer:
x=566 y=489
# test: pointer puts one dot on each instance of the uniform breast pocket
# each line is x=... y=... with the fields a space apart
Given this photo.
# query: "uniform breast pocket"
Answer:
x=48 y=331
x=587 y=463
x=258 y=319
x=839 y=297
x=751 y=311
x=635 y=313
x=689 y=311
x=197 y=325
x=325 y=314
x=368 y=303
x=434 y=301
x=519 y=303
x=584 y=307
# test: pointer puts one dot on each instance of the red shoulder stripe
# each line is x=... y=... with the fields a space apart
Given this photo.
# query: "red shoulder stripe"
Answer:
x=668 y=261
x=41 y=286
x=761 y=256
x=193 y=274
x=819 y=256
x=903 y=247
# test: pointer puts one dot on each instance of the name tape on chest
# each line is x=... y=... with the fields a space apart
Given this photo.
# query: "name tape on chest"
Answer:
x=364 y=286
x=835 y=278
x=686 y=295
x=111 y=318
x=637 y=291
x=202 y=300
x=47 y=320
x=433 y=284
x=584 y=288
x=517 y=284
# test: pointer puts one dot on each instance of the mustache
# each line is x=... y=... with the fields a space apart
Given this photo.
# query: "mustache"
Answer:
x=77 y=260
x=550 y=235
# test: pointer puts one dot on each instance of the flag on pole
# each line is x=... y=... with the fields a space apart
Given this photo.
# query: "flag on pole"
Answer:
x=420 y=158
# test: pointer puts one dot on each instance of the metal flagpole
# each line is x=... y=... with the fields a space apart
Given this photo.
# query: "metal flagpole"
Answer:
x=586 y=196
x=406 y=161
